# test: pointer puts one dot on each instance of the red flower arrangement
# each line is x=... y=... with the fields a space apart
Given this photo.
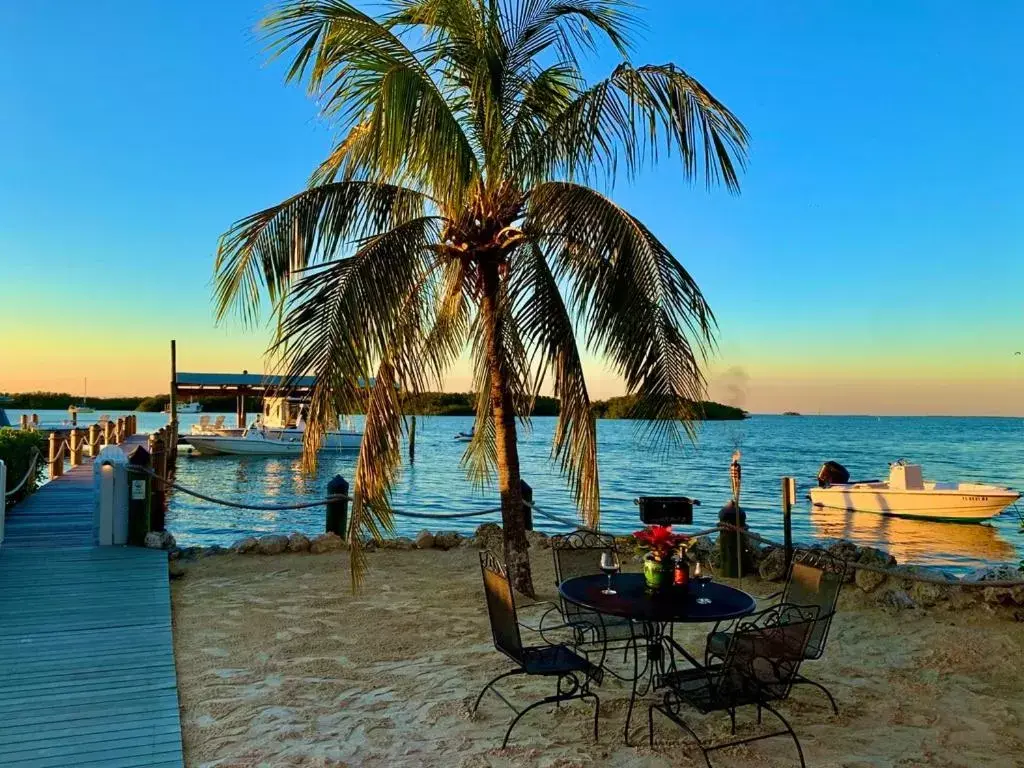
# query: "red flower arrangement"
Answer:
x=659 y=541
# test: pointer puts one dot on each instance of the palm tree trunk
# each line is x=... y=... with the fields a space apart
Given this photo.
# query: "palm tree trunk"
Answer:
x=517 y=556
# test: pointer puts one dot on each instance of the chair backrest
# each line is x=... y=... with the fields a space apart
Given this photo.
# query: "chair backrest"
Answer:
x=501 y=606
x=578 y=554
x=815 y=578
x=765 y=651
x=204 y=420
x=219 y=422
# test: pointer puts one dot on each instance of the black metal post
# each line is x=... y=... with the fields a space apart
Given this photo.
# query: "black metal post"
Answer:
x=140 y=497
x=527 y=493
x=337 y=509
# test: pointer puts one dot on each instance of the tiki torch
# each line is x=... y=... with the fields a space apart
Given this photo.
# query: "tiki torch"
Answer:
x=736 y=479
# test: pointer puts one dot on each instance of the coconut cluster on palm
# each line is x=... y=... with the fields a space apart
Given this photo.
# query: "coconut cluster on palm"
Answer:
x=457 y=211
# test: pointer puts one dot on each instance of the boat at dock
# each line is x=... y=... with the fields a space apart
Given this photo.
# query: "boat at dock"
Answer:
x=278 y=431
x=907 y=494
x=193 y=407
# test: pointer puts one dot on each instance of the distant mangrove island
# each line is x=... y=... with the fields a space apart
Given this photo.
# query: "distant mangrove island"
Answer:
x=425 y=404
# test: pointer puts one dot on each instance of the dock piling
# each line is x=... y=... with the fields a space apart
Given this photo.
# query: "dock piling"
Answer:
x=75 y=445
x=158 y=494
x=55 y=459
x=23 y=422
x=94 y=441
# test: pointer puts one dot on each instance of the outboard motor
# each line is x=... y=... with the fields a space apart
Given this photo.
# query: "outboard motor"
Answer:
x=832 y=472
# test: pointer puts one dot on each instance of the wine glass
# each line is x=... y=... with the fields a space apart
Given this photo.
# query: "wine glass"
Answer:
x=702 y=578
x=610 y=565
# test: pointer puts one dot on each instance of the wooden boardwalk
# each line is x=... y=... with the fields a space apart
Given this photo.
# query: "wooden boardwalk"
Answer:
x=87 y=674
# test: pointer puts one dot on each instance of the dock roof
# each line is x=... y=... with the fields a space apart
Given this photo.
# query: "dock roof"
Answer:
x=194 y=383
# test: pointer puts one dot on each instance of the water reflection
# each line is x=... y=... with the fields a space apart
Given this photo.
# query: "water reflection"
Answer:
x=942 y=544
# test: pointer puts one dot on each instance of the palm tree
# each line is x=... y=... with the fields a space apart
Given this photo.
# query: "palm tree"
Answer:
x=456 y=211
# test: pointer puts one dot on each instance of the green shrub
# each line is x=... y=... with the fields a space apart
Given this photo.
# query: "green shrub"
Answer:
x=16 y=451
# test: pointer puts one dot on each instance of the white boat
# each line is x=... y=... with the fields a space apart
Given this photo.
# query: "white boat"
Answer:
x=464 y=437
x=907 y=494
x=277 y=432
x=192 y=407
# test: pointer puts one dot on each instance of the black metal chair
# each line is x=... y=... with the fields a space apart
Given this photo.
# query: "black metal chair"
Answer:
x=579 y=554
x=759 y=667
x=574 y=673
x=815 y=578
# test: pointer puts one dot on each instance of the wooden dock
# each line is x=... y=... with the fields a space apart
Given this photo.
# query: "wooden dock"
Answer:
x=87 y=675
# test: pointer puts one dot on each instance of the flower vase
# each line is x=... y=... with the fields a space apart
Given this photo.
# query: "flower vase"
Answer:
x=657 y=573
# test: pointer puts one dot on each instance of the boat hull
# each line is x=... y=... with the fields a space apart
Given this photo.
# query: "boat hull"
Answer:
x=965 y=504
x=283 y=443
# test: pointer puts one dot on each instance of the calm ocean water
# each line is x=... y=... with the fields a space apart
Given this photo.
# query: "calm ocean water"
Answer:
x=983 y=449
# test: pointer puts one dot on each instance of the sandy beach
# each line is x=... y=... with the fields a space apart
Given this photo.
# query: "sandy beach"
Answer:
x=279 y=664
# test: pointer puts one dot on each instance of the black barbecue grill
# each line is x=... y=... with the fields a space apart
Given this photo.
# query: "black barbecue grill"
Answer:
x=666 y=510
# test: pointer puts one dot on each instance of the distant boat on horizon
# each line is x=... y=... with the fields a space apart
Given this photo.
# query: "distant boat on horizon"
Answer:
x=82 y=407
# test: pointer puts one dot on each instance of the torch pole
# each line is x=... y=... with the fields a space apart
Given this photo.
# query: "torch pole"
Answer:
x=736 y=476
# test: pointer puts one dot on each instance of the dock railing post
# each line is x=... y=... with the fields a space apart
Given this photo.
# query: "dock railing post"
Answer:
x=110 y=478
x=337 y=509
x=158 y=494
x=527 y=494
x=75 y=444
x=35 y=421
x=23 y=422
x=108 y=433
x=55 y=461
x=94 y=441
x=3 y=498
x=140 y=498
x=74 y=417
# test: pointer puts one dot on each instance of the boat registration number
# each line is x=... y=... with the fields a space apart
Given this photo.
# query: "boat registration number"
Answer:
x=974 y=498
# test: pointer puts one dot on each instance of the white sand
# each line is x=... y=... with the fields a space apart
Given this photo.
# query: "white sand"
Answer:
x=280 y=665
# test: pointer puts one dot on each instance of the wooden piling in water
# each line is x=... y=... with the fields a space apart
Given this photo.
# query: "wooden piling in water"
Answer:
x=23 y=422
x=158 y=462
x=108 y=433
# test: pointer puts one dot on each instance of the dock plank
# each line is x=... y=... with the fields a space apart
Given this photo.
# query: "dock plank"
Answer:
x=87 y=672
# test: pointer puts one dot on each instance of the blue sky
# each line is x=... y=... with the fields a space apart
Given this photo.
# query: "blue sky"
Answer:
x=872 y=262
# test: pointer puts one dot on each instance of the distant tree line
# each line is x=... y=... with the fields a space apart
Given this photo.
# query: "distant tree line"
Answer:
x=424 y=404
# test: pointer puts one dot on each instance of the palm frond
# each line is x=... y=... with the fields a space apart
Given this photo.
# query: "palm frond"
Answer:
x=642 y=309
x=368 y=80
x=548 y=332
x=634 y=115
x=263 y=252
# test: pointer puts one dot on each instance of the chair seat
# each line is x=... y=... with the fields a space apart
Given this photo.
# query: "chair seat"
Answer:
x=699 y=688
x=557 y=660
x=603 y=627
x=718 y=645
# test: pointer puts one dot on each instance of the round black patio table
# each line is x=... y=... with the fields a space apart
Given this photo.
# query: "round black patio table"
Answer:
x=656 y=611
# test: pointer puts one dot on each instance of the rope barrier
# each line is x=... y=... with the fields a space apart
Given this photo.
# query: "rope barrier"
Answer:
x=303 y=504
x=890 y=572
x=31 y=469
